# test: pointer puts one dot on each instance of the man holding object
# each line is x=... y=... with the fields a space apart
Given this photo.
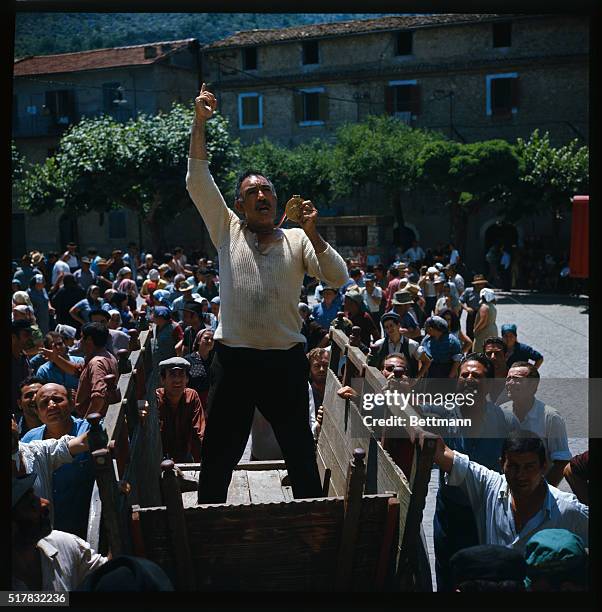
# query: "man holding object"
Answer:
x=259 y=359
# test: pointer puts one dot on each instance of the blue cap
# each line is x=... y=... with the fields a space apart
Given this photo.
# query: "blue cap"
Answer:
x=162 y=311
x=508 y=327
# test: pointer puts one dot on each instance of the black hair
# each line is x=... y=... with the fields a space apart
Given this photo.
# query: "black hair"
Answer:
x=455 y=320
x=69 y=280
x=524 y=441
x=50 y=337
x=166 y=257
x=117 y=298
x=169 y=273
x=18 y=326
x=533 y=371
x=483 y=360
x=30 y=380
x=396 y=356
x=97 y=331
x=496 y=341
x=247 y=173
x=394 y=272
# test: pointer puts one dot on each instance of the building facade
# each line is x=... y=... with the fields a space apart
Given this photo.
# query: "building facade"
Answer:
x=51 y=92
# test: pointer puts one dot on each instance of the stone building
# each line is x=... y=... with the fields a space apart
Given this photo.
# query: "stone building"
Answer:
x=472 y=77
x=50 y=92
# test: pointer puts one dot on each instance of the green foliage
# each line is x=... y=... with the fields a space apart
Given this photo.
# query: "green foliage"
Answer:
x=478 y=172
x=44 y=33
x=550 y=176
x=303 y=170
x=102 y=164
x=380 y=150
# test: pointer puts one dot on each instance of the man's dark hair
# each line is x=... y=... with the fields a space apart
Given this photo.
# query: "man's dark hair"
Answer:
x=380 y=267
x=20 y=325
x=483 y=360
x=533 y=371
x=178 y=249
x=69 y=280
x=394 y=272
x=30 y=380
x=97 y=331
x=92 y=251
x=52 y=254
x=396 y=356
x=496 y=341
x=50 y=338
x=524 y=441
x=117 y=298
x=169 y=274
x=247 y=173
x=489 y=586
x=355 y=272
x=166 y=257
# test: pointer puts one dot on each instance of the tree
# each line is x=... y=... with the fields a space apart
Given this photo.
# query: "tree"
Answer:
x=141 y=165
x=469 y=176
x=550 y=177
x=303 y=170
x=381 y=150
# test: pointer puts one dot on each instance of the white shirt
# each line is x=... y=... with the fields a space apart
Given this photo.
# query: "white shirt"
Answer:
x=547 y=423
x=60 y=266
x=66 y=561
x=414 y=254
x=372 y=301
x=414 y=348
x=264 y=445
x=490 y=499
x=42 y=457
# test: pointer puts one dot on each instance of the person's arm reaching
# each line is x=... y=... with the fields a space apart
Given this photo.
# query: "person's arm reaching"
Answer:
x=199 y=182
x=65 y=365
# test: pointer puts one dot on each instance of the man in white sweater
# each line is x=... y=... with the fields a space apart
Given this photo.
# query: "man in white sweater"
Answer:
x=259 y=359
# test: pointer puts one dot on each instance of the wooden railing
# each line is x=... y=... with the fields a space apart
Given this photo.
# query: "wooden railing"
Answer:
x=414 y=461
x=123 y=459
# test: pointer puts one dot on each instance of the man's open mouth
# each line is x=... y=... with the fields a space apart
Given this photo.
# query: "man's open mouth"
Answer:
x=263 y=208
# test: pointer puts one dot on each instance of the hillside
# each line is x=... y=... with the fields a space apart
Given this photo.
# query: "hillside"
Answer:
x=47 y=33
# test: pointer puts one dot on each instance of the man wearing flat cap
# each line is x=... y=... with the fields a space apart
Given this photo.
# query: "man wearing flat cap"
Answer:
x=258 y=337
x=181 y=414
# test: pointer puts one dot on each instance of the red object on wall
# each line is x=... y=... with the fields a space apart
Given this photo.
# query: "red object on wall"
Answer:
x=579 y=260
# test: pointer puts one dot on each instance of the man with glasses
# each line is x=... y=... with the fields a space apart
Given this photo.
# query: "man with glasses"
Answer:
x=261 y=274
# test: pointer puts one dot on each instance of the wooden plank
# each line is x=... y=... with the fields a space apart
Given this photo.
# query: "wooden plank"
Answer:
x=339 y=338
x=356 y=357
x=332 y=490
x=238 y=491
x=337 y=475
x=264 y=486
x=261 y=465
x=94 y=514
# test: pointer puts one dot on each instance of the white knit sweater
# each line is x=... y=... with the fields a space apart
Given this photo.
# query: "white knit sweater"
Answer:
x=259 y=293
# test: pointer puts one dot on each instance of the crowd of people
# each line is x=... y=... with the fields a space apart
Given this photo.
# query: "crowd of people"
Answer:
x=241 y=348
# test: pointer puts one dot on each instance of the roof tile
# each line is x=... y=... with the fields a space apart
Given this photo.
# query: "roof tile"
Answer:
x=96 y=58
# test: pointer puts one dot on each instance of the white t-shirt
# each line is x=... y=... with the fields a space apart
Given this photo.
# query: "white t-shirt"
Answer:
x=60 y=266
x=373 y=301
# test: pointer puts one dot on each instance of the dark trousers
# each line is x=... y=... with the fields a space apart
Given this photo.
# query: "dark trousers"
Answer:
x=470 y=321
x=274 y=381
x=454 y=528
x=429 y=305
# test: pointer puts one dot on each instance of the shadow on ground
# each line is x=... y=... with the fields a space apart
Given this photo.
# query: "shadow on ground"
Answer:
x=543 y=299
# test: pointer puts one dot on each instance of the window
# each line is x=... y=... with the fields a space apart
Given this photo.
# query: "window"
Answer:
x=502 y=94
x=502 y=34
x=250 y=110
x=249 y=58
x=351 y=236
x=117 y=225
x=311 y=106
x=403 y=43
x=402 y=99
x=61 y=105
x=310 y=52
x=110 y=94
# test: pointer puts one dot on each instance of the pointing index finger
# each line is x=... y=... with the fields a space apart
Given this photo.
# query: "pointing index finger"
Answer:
x=202 y=87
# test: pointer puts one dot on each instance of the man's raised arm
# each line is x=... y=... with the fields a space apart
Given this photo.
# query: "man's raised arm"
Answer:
x=204 y=106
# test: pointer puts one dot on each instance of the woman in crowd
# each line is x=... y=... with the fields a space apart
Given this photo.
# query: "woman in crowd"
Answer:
x=40 y=302
x=485 y=325
x=200 y=361
x=122 y=273
x=442 y=347
x=453 y=323
x=128 y=286
x=119 y=301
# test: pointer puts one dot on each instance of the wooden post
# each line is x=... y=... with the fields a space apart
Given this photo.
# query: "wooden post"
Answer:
x=177 y=526
x=408 y=566
x=107 y=488
x=356 y=476
x=134 y=340
x=97 y=436
x=123 y=362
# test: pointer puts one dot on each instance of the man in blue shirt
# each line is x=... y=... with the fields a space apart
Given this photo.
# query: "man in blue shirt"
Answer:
x=326 y=311
x=454 y=525
x=72 y=483
x=517 y=351
x=49 y=372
